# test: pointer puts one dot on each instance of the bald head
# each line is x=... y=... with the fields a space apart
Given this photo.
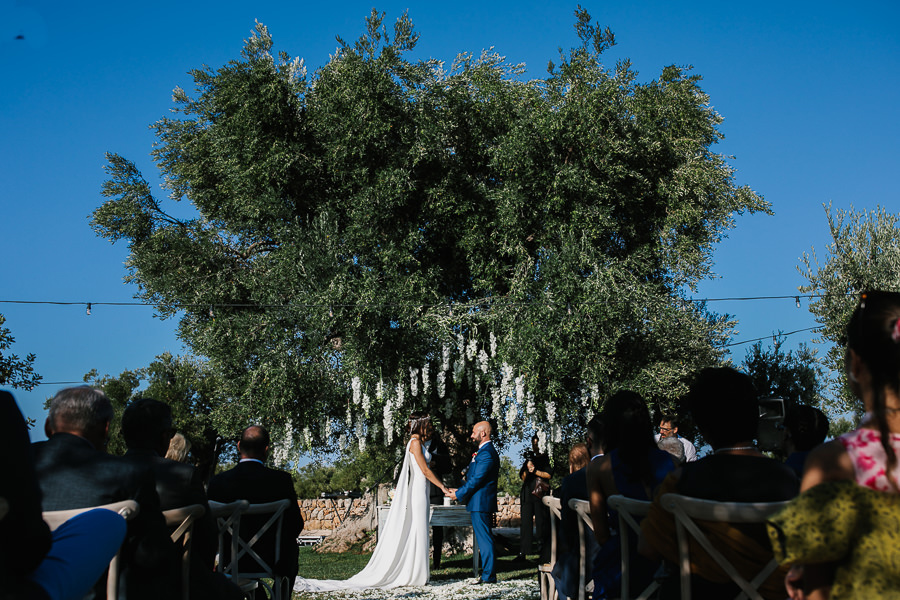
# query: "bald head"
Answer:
x=254 y=443
x=481 y=432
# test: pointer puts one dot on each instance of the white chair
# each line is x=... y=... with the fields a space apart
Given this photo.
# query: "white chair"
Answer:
x=228 y=525
x=280 y=589
x=545 y=577
x=583 y=509
x=687 y=509
x=129 y=509
x=181 y=523
x=630 y=511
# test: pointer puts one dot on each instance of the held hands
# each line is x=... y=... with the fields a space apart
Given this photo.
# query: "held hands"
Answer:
x=450 y=493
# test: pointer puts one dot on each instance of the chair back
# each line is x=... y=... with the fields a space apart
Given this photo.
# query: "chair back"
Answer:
x=180 y=522
x=129 y=509
x=545 y=571
x=686 y=510
x=583 y=509
x=631 y=512
x=249 y=546
x=228 y=526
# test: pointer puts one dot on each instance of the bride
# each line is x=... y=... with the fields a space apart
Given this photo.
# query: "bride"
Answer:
x=401 y=555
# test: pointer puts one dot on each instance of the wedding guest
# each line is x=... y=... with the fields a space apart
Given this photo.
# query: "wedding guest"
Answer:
x=74 y=471
x=253 y=481
x=805 y=427
x=668 y=428
x=568 y=548
x=851 y=486
x=724 y=405
x=179 y=448
x=633 y=466
x=35 y=563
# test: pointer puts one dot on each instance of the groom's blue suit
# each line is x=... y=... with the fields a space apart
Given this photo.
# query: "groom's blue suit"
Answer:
x=480 y=497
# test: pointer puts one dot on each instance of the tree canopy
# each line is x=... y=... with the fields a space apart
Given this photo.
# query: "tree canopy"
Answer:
x=864 y=254
x=388 y=235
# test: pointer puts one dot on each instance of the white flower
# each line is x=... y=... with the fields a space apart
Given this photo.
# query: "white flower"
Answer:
x=472 y=349
x=445 y=358
x=425 y=380
x=414 y=381
x=355 y=385
x=542 y=440
x=511 y=414
x=497 y=398
x=483 y=361
x=493 y=339
x=520 y=390
x=441 y=384
x=342 y=442
x=529 y=404
x=379 y=390
x=366 y=404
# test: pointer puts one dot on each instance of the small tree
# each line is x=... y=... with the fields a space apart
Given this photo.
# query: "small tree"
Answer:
x=795 y=376
x=864 y=253
x=14 y=371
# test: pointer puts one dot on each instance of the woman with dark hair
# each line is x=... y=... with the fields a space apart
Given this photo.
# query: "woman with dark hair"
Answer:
x=633 y=466
x=851 y=486
x=401 y=555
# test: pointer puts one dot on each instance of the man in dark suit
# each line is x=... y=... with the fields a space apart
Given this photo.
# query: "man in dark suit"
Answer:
x=479 y=494
x=251 y=480
x=147 y=429
x=74 y=471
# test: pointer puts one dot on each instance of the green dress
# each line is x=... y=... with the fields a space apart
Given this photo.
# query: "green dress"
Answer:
x=842 y=522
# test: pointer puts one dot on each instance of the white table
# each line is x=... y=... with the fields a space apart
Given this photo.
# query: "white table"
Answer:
x=450 y=516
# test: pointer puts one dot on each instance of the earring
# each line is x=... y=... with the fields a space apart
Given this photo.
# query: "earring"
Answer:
x=852 y=377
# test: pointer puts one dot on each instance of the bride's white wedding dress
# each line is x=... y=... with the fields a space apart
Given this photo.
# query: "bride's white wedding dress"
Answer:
x=401 y=555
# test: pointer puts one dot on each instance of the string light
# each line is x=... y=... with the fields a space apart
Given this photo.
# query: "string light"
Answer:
x=797 y=299
x=88 y=309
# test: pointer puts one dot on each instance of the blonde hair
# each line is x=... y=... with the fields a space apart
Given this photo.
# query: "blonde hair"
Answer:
x=179 y=447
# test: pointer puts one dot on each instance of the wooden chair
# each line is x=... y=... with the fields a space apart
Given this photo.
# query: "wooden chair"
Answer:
x=279 y=589
x=630 y=511
x=228 y=525
x=687 y=509
x=583 y=509
x=181 y=522
x=127 y=508
x=545 y=577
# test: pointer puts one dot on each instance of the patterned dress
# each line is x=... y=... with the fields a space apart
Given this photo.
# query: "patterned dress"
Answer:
x=869 y=460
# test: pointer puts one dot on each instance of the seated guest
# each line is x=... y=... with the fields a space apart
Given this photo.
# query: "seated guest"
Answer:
x=668 y=428
x=147 y=429
x=723 y=403
x=805 y=427
x=74 y=471
x=179 y=448
x=633 y=466
x=253 y=481
x=35 y=563
x=673 y=447
x=568 y=547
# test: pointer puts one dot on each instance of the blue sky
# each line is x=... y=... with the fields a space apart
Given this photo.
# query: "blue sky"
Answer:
x=808 y=90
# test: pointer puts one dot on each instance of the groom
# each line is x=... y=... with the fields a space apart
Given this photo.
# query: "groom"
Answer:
x=479 y=494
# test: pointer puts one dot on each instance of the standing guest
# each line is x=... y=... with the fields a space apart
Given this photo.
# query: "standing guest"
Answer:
x=253 y=481
x=634 y=467
x=805 y=427
x=479 y=494
x=668 y=428
x=535 y=472
x=851 y=486
x=724 y=405
x=74 y=471
x=147 y=430
x=35 y=563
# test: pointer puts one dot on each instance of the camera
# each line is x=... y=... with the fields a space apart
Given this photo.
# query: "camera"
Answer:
x=770 y=435
x=528 y=455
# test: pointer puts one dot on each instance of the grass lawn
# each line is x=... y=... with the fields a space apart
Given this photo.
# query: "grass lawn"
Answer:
x=516 y=581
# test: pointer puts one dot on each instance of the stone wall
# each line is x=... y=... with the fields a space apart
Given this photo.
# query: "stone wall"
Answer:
x=325 y=514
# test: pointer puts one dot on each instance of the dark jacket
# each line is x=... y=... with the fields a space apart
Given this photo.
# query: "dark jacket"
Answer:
x=258 y=484
x=73 y=474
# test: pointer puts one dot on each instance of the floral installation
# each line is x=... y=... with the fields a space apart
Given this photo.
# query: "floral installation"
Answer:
x=465 y=589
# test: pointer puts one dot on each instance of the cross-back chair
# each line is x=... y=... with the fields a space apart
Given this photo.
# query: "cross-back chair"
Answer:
x=686 y=510
x=631 y=512
x=228 y=526
x=180 y=522
x=545 y=570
